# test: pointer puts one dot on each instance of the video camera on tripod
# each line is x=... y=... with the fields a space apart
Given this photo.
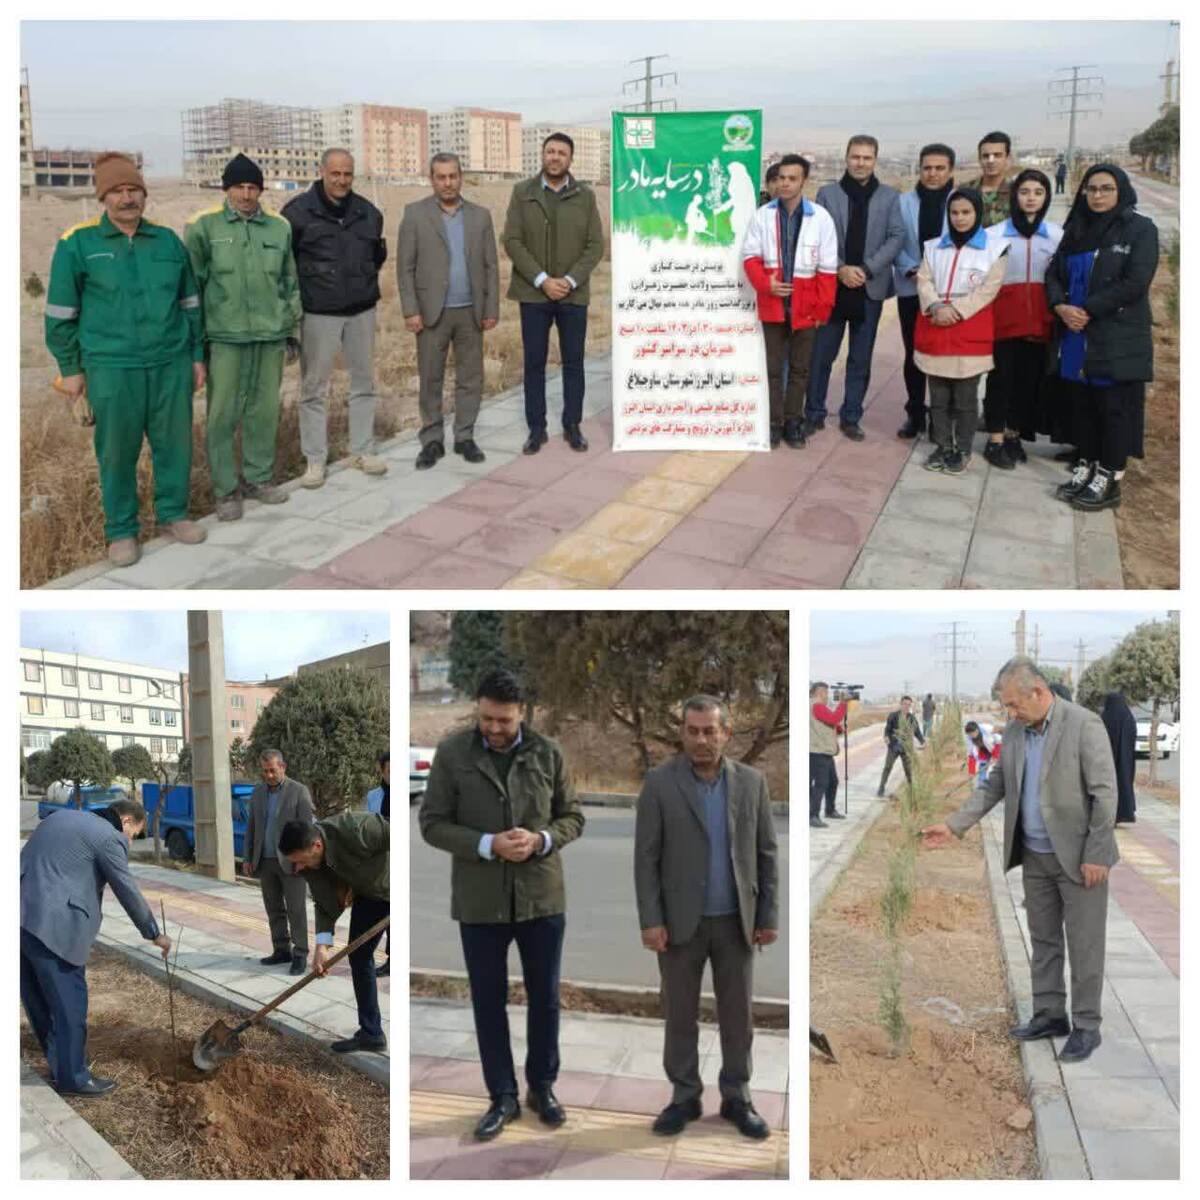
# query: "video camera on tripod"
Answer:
x=846 y=691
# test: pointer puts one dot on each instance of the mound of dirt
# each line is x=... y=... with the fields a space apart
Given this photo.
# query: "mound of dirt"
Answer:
x=932 y=909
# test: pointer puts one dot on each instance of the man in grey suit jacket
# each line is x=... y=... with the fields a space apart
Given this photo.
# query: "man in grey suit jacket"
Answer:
x=449 y=282
x=65 y=864
x=1059 y=788
x=870 y=234
x=707 y=891
x=275 y=802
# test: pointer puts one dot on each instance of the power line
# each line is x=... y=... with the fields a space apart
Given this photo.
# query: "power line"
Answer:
x=646 y=82
x=957 y=647
x=1064 y=103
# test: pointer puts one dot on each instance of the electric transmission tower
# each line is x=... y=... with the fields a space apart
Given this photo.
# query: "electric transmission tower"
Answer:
x=646 y=82
x=1068 y=93
x=956 y=649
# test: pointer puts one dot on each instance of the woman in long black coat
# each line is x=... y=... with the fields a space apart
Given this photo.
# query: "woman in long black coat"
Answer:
x=1122 y=735
x=1098 y=286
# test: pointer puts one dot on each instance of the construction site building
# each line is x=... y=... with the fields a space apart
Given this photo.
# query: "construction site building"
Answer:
x=285 y=141
x=71 y=170
x=487 y=143
x=27 y=171
x=592 y=150
x=390 y=144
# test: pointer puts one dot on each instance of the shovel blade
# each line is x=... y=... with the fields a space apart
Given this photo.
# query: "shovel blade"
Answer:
x=217 y=1043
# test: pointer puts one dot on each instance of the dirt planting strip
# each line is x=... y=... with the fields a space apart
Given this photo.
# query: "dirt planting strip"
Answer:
x=281 y=1109
x=954 y=1104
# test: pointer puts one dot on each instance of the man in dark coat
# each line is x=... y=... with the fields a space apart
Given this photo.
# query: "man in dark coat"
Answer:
x=1122 y=735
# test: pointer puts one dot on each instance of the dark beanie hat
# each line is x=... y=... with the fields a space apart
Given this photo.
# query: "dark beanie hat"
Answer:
x=241 y=169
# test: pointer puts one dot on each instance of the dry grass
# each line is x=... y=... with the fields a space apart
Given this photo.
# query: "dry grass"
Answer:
x=62 y=524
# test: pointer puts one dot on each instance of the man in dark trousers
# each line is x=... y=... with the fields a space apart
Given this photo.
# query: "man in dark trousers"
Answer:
x=379 y=800
x=273 y=803
x=903 y=718
x=500 y=803
x=706 y=874
x=346 y=861
x=825 y=725
x=65 y=864
x=554 y=237
x=928 y=708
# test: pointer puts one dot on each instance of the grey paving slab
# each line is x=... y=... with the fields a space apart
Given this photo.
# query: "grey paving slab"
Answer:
x=1007 y=562
x=1130 y=1154
x=879 y=569
x=1135 y=1104
x=938 y=507
x=441 y=1043
x=1155 y=1021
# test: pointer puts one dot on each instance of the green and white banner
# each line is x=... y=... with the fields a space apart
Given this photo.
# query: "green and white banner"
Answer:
x=689 y=368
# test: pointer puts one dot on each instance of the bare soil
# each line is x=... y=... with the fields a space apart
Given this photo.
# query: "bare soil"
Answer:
x=602 y=758
x=953 y=1106
x=280 y=1110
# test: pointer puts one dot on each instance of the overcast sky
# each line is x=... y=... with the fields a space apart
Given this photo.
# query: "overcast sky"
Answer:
x=258 y=645
x=104 y=84
x=890 y=652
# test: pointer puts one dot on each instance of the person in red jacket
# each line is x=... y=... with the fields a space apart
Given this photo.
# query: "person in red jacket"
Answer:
x=825 y=726
x=790 y=258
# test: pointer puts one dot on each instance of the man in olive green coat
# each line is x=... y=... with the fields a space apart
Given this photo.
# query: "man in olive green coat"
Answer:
x=499 y=801
x=345 y=860
x=554 y=237
x=242 y=255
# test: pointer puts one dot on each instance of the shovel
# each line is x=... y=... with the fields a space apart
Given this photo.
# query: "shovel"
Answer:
x=818 y=1041
x=218 y=1042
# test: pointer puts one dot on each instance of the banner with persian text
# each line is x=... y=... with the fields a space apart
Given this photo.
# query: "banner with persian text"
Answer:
x=689 y=368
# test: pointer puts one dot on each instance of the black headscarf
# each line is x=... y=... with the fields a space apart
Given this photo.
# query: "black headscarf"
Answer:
x=1085 y=229
x=1122 y=736
x=976 y=202
x=933 y=210
x=1025 y=225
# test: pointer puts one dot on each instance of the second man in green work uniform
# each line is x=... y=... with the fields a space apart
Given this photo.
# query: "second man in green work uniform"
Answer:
x=241 y=253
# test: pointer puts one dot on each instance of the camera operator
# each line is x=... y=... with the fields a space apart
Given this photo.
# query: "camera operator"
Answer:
x=893 y=735
x=825 y=724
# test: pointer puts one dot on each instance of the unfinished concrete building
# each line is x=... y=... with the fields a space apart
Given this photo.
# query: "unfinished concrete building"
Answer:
x=284 y=140
x=27 y=175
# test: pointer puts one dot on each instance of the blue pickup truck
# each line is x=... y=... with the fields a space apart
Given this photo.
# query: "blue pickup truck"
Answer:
x=178 y=829
x=95 y=799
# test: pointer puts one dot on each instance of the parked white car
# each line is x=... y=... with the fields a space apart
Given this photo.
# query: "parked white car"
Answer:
x=1168 y=738
x=420 y=759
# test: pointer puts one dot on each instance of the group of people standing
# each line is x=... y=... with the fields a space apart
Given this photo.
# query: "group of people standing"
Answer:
x=138 y=320
x=1050 y=323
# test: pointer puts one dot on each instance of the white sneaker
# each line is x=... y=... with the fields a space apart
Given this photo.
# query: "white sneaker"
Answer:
x=369 y=464
x=314 y=477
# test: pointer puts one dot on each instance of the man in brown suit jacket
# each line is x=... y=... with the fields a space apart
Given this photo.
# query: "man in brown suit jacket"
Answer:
x=1059 y=787
x=275 y=802
x=449 y=283
x=707 y=891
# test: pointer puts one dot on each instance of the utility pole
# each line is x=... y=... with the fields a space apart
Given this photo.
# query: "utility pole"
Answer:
x=1019 y=635
x=957 y=646
x=210 y=745
x=1037 y=642
x=1067 y=93
x=1081 y=661
x=646 y=82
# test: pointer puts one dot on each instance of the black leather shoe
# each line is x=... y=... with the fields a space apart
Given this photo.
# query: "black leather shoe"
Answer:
x=1014 y=450
x=429 y=455
x=384 y=971
x=909 y=431
x=1079 y=1045
x=749 y=1123
x=811 y=427
x=574 y=438
x=835 y=816
x=852 y=431
x=358 y=1042
x=793 y=434
x=93 y=1087
x=534 y=442
x=469 y=451
x=299 y=964
x=1102 y=491
x=279 y=956
x=545 y=1103
x=502 y=1111
x=674 y=1117
x=816 y=823
x=1081 y=476
x=1041 y=1027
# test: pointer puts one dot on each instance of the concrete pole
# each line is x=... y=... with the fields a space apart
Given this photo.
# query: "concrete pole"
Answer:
x=210 y=746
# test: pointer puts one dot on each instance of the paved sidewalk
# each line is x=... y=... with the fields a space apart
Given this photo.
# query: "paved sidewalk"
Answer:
x=1115 y=1116
x=612 y=1085
x=224 y=934
x=57 y=1143
x=835 y=514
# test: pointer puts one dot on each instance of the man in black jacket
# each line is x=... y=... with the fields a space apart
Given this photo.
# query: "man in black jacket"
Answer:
x=337 y=237
x=893 y=734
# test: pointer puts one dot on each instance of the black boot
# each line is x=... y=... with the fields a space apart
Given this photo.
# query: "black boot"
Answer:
x=1015 y=450
x=1102 y=491
x=1081 y=476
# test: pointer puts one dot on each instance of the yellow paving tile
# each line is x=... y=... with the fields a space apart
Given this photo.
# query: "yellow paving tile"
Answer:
x=620 y=522
x=710 y=468
x=540 y=581
x=594 y=561
x=594 y=1131
x=669 y=495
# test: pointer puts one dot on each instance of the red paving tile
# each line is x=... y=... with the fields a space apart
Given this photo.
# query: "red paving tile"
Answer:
x=513 y=543
x=755 y=579
x=418 y=1064
x=715 y=540
x=602 y=483
x=486 y=495
x=564 y=510
x=827 y=522
x=758 y=479
x=577 y=1164
x=875 y=455
x=441 y=524
x=646 y=1096
x=771 y=1107
x=516 y=1160
x=382 y=561
x=664 y=569
x=741 y=508
x=1152 y=839
x=822 y=564
x=863 y=494
x=634 y=462
x=538 y=470
x=454 y=570
x=320 y=580
x=579 y=1089
x=461 y=1077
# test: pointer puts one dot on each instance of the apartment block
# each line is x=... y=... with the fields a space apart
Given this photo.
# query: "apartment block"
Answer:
x=486 y=142
x=593 y=148
x=389 y=143
x=27 y=179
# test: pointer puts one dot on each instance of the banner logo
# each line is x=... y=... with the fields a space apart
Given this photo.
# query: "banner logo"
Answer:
x=639 y=133
x=739 y=129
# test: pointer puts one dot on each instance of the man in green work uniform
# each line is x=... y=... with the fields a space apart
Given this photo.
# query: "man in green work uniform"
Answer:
x=242 y=255
x=123 y=323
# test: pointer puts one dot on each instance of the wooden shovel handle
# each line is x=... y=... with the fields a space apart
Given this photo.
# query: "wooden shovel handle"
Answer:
x=374 y=931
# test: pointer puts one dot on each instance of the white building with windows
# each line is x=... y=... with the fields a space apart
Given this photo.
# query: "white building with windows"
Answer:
x=122 y=704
